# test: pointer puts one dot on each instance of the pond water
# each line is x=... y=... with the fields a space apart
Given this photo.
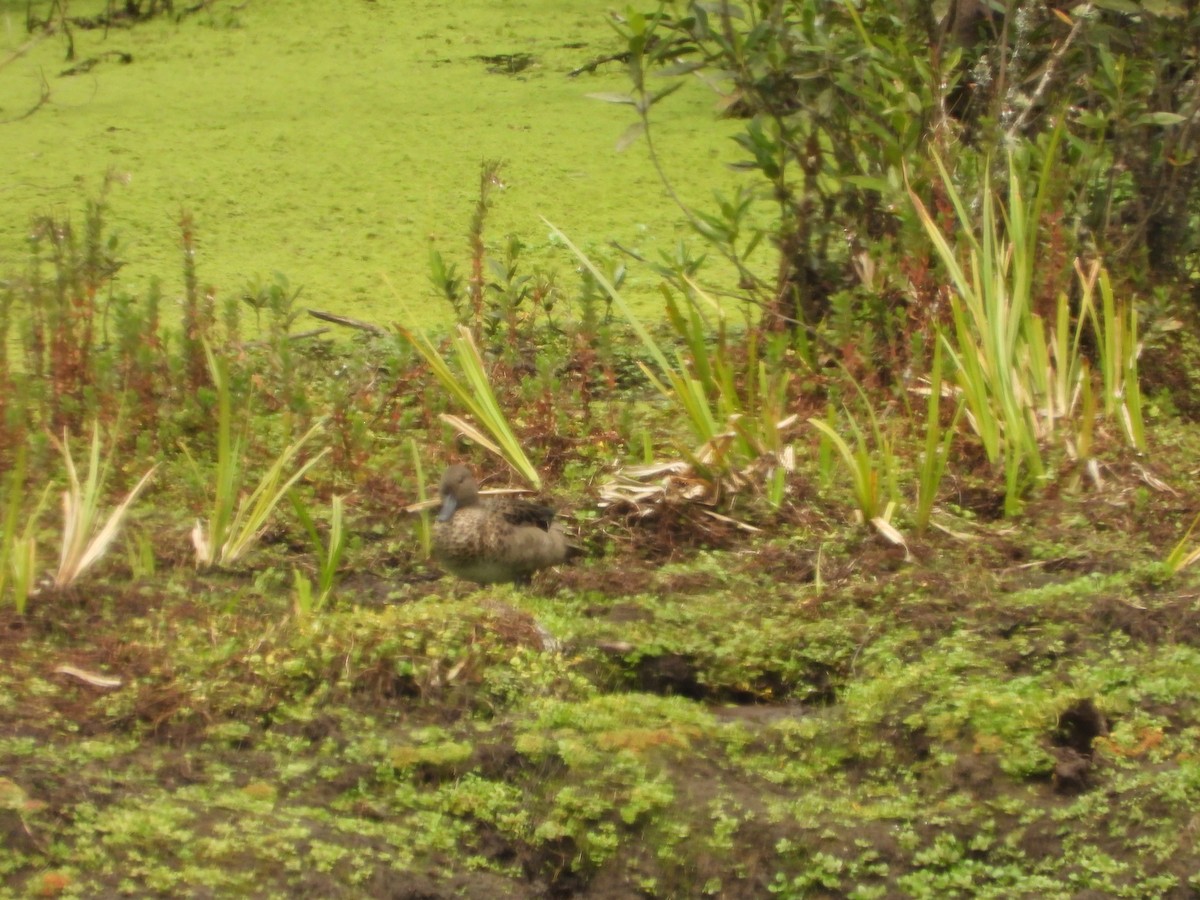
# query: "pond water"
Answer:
x=337 y=142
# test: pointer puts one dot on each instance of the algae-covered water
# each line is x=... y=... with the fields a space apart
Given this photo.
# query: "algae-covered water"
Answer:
x=337 y=142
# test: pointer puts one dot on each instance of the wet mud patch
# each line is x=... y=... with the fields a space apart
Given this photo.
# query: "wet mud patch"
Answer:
x=668 y=674
x=773 y=564
x=984 y=503
x=671 y=674
x=681 y=584
x=1172 y=617
x=622 y=580
x=1079 y=725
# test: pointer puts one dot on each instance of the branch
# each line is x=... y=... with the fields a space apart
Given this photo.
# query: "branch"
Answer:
x=42 y=101
x=1048 y=73
x=346 y=321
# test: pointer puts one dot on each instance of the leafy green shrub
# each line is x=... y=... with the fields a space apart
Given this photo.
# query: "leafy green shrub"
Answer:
x=1121 y=77
x=844 y=103
x=835 y=100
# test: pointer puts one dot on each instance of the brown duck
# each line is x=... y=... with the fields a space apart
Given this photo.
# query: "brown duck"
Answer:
x=494 y=540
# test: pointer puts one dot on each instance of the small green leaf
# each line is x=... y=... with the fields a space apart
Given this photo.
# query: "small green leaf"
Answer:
x=630 y=136
x=681 y=68
x=1163 y=8
x=1159 y=118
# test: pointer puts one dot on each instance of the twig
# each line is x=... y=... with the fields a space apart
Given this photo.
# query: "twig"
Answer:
x=91 y=62
x=598 y=62
x=346 y=321
x=677 y=46
x=42 y=101
x=25 y=47
x=1048 y=72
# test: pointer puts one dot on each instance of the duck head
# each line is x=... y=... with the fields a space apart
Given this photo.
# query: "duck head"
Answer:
x=458 y=490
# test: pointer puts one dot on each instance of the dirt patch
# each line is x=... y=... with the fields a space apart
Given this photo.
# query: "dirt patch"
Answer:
x=623 y=579
x=1152 y=619
x=669 y=530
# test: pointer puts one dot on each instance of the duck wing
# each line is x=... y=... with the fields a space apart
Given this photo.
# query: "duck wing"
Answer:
x=523 y=512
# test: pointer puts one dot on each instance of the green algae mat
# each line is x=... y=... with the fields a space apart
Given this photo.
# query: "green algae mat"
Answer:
x=338 y=143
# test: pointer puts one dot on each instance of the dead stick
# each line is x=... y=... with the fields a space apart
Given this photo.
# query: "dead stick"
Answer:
x=347 y=321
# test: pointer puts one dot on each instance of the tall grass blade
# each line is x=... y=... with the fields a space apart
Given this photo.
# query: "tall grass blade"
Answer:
x=84 y=540
x=864 y=476
x=237 y=522
x=736 y=412
x=424 y=526
x=1180 y=557
x=253 y=512
x=937 y=443
x=18 y=546
x=329 y=556
x=476 y=395
x=651 y=345
x=14 y=496
x=1021 y=378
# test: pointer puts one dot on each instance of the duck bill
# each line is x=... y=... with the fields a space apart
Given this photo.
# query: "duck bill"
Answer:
x=449 y=505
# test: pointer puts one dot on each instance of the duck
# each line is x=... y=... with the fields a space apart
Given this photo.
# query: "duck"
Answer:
x=497 y=539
